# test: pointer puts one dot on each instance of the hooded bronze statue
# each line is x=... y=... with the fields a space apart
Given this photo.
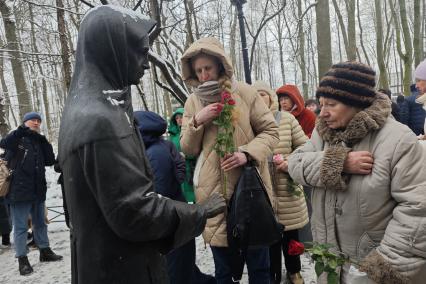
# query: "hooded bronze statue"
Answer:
x=120 y=228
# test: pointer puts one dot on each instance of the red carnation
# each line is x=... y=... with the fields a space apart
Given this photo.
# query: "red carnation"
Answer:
x=231 y=102
x=295 y=248
x=219 y=108
x=225 y=97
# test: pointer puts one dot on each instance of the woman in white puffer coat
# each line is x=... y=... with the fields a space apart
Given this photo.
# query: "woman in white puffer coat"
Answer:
x=289 y=201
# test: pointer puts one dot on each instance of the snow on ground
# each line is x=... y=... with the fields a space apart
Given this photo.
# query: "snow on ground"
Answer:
x=60 y=272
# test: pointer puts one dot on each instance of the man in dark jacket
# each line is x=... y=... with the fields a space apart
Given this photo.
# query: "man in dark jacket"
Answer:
x=416 y=113
x=120 y=227
x=169 y=172
x=28 y=153
x=403 y=109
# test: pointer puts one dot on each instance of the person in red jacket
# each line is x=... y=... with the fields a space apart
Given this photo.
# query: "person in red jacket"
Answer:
x=291 y=100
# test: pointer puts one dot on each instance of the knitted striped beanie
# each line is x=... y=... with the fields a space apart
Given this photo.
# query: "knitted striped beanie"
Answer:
x=351 y=83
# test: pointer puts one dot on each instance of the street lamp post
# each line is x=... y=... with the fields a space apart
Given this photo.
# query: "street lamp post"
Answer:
x=239 y=5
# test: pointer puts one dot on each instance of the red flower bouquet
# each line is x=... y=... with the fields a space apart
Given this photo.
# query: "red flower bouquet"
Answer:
x=225 y=136
x=295 y=248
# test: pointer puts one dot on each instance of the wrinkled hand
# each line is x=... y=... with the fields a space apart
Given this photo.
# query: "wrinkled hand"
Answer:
x=214 y=205
x=232 y=161
x=208 y=113
x=358 y=162
x=281 y=165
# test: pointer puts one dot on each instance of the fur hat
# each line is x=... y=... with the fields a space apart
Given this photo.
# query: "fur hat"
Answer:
x=351 y=83
x=31 y=115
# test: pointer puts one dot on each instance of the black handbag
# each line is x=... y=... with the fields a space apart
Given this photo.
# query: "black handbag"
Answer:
x=251 y=222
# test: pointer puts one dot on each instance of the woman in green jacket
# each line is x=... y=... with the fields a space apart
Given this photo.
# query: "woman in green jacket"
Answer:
x=175 y=124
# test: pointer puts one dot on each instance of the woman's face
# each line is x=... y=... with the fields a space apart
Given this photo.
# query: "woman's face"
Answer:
x=286 y=103
x=206 y=68
x=336 y=115
x=178 y=119
x=421 y=86
x=266 y=98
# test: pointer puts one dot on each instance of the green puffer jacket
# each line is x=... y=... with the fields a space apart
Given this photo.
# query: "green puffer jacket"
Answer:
x=174 y=132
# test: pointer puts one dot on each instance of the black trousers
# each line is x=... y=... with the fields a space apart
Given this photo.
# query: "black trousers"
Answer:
x=182 y=268
x=292 y=262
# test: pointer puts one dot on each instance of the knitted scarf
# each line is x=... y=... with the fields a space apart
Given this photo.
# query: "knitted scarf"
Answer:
x=209 y=92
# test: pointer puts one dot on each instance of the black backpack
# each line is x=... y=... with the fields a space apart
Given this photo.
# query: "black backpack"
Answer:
x=251 y=222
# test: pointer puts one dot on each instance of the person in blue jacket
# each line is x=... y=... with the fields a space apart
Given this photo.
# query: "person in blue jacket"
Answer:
x=416 y=113
x=169 y=172
x=28 y=153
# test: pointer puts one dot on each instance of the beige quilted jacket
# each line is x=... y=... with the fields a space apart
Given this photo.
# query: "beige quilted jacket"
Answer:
x=255 y=133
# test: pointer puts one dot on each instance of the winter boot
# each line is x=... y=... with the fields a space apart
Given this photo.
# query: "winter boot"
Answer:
x=295 y=278
x=5 y=240
x=46 y=254
x=24 y=265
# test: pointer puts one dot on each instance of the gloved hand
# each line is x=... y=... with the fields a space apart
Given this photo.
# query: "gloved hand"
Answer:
x=22 y=131
x=214 y=205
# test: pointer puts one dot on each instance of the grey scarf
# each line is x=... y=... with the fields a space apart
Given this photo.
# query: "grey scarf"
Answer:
x=209 y=92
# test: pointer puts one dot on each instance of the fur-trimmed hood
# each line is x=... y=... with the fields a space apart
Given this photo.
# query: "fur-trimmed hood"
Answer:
x=210 y=46
x=369 y=119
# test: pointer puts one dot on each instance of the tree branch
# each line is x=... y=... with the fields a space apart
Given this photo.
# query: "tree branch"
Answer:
x=137 y=5
x=180 y=91
x=87 y=3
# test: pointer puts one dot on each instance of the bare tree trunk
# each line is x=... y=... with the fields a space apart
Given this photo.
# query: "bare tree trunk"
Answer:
x=194 y=16
x=233 y=36
x=42 y=74
x=323 y=37
x=65 y=50
x=280 y=40
x=406 y=57
x=301 y=36
x=349 y=36
x=417 y=35
x=24 y=98
x=383 y=77
x=352 y=50
x=361 y=40
x=4 y=101
x=189 y=33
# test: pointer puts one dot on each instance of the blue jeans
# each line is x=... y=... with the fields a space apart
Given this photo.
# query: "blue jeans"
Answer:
x=257 y=262
x=19 y=213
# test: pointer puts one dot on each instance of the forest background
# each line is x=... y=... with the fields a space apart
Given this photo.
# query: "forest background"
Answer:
x=289 y=41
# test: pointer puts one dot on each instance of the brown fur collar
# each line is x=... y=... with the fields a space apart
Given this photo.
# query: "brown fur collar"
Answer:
x=369 y=119
x=331 y=170
x=379 y=270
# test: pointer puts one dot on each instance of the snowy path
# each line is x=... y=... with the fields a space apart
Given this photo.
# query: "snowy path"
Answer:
x=60 y=272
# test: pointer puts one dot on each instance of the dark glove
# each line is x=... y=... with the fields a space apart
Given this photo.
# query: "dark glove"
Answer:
x=214 y=205
x=22 y=131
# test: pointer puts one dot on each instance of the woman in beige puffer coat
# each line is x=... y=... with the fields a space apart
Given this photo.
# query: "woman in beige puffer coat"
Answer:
x=289 y=200
x=206 y=67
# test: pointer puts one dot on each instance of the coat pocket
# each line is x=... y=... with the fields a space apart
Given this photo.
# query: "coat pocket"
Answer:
x=365 y=245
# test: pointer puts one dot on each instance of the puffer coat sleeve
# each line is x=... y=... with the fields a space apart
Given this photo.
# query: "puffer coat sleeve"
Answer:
x=191 y=137
x=305 y=162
